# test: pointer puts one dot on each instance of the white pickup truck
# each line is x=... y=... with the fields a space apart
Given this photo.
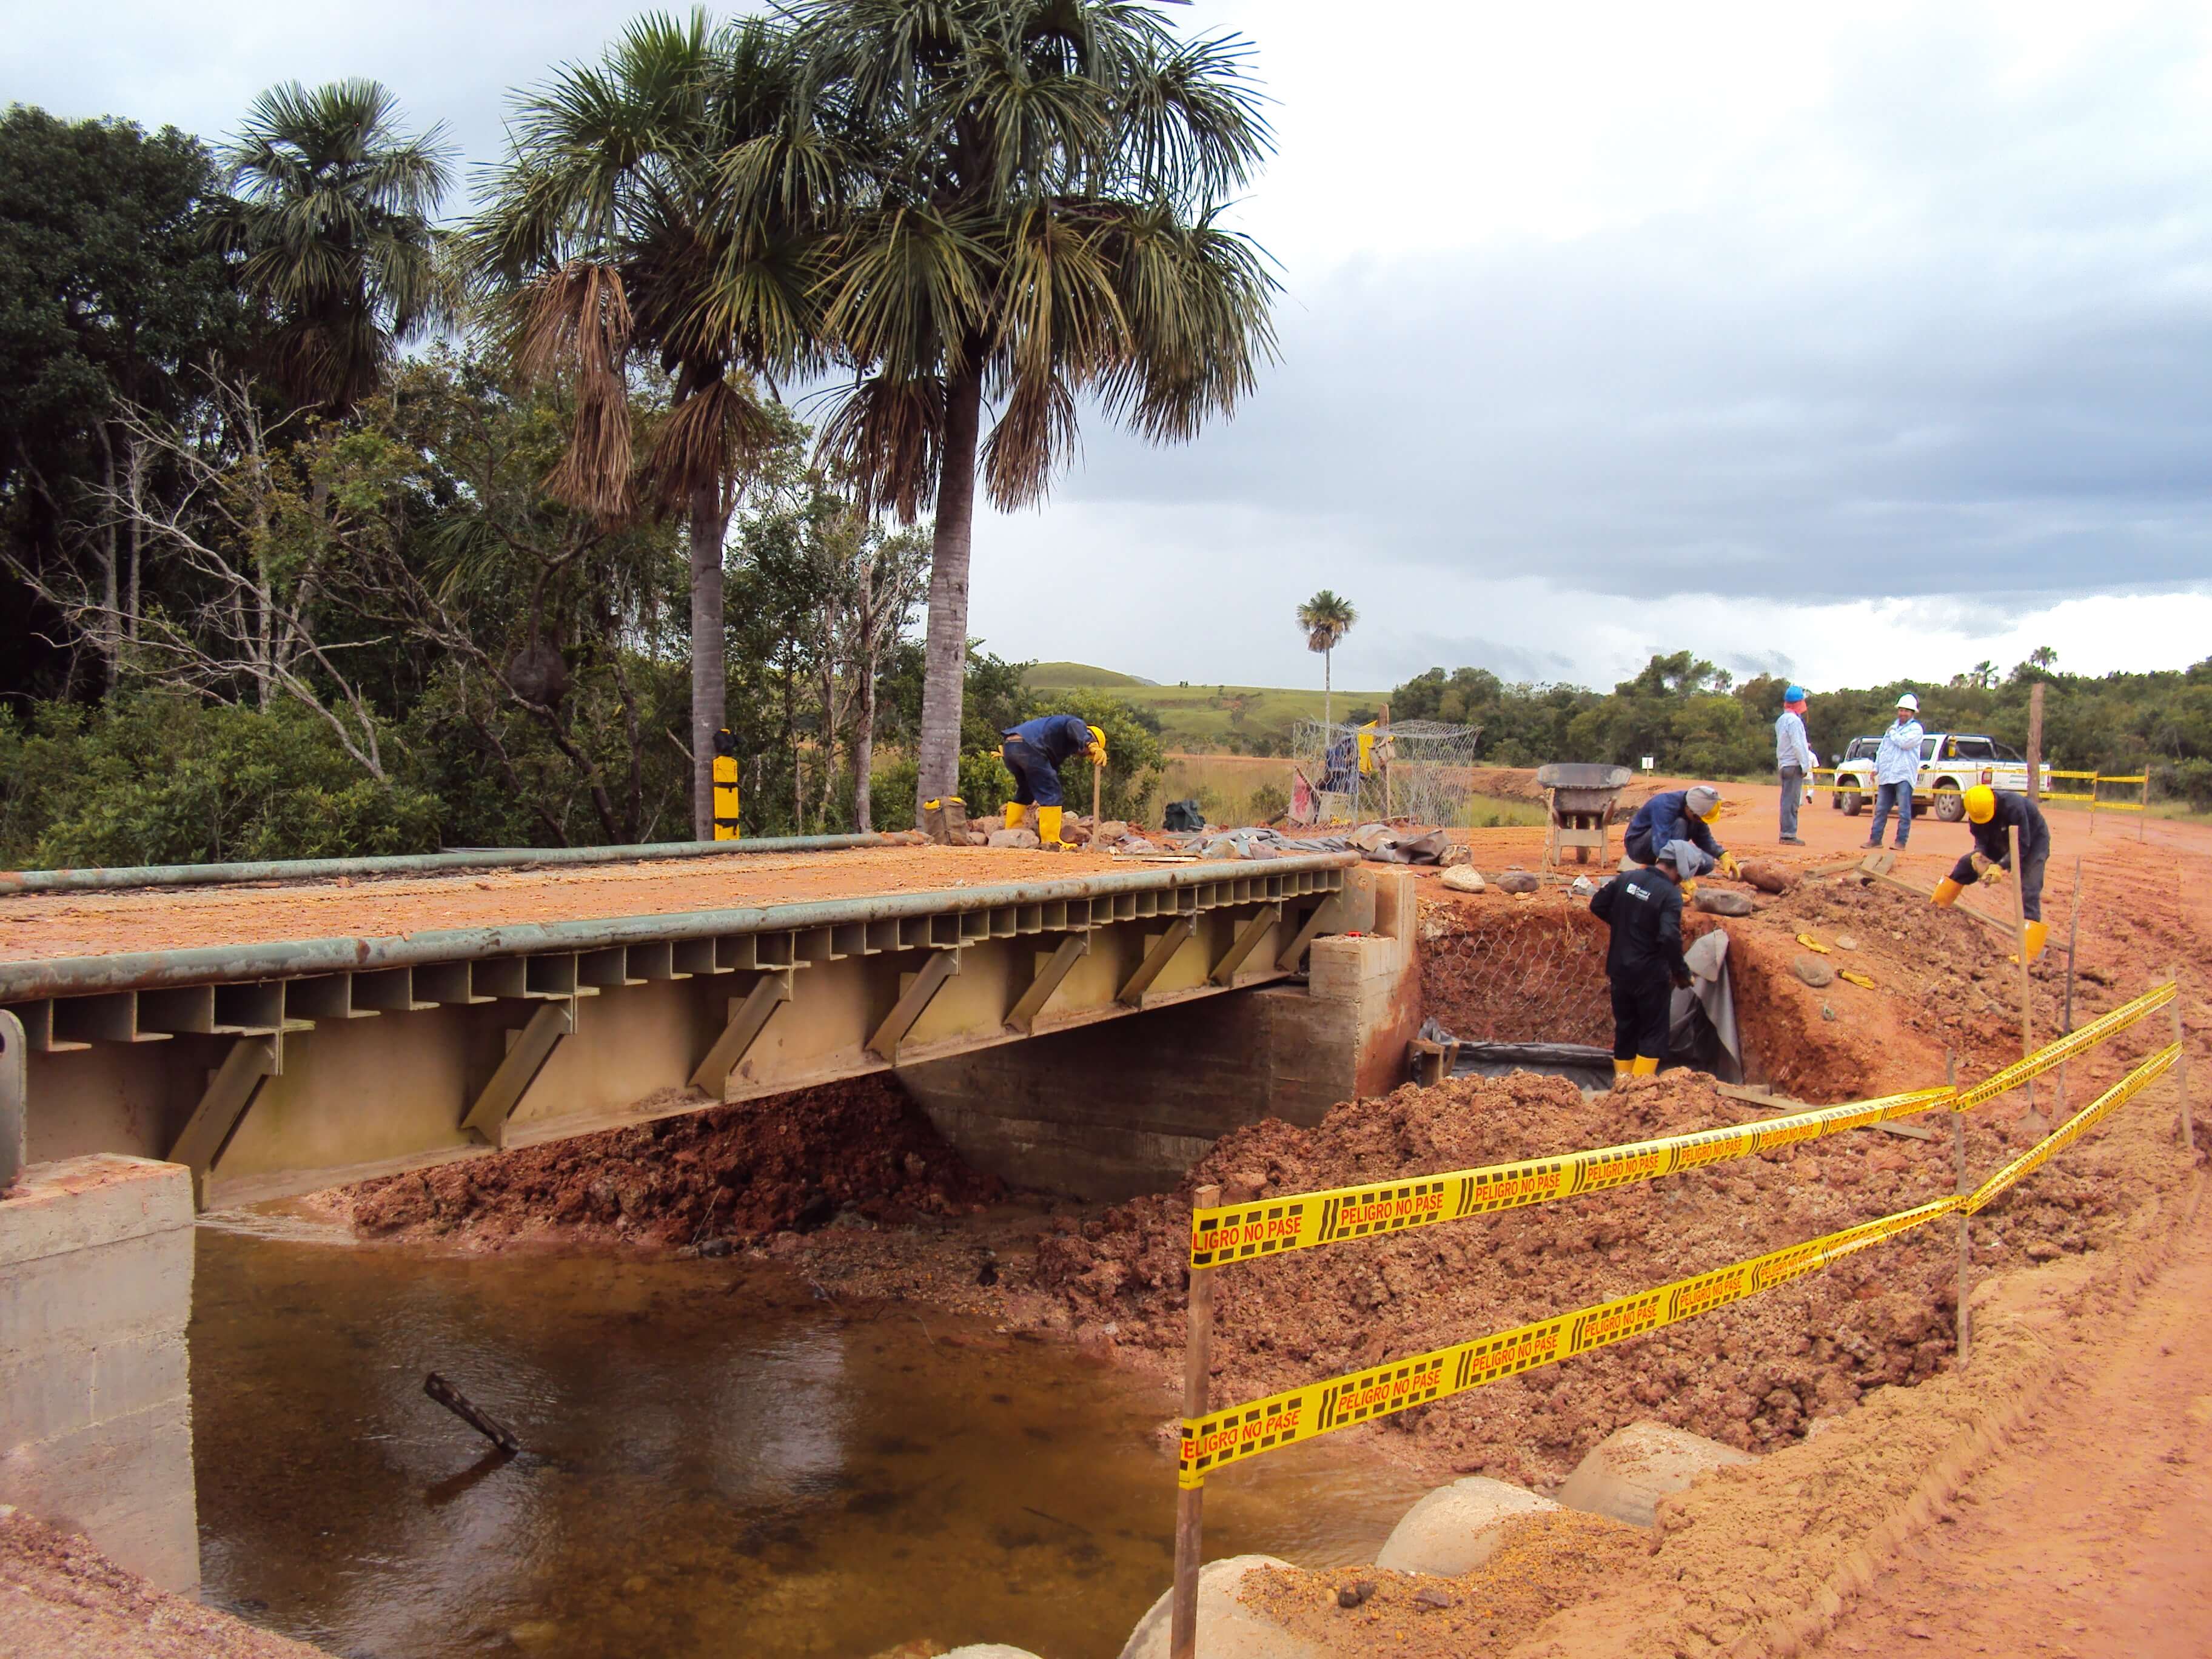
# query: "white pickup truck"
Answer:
x=1951 y=763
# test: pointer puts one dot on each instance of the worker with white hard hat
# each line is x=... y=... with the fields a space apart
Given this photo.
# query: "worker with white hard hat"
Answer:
x=1896 y=770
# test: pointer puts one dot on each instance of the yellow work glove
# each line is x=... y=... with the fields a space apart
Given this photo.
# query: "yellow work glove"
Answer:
x=1097 y=753
x=1727 y=865
x=1689 y=889
x=1994 y=873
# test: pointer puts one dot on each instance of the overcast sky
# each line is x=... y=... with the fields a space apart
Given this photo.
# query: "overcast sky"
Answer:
x=1848 y=342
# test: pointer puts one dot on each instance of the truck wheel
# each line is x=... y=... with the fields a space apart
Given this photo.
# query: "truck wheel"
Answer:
x=1854 y=803
x=1950 y=805
x=1836 y=801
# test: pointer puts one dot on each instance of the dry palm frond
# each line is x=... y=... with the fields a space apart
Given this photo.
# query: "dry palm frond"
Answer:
x=1033 y=439
x=887 y=436
x=577 y=326
x=703 y=439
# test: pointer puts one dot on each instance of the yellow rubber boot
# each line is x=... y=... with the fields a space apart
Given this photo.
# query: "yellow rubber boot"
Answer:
x=1048 y=826
x=1014 y=811
x=1948 y=891
x=1646 y=1065
x=2037 y=934
x=1620 y=1069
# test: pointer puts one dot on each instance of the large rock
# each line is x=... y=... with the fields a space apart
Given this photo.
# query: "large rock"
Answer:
x=1767 y=876
x=1227 y=1629
x=1456 y=1529
x=1463 y=879
x=1814 y=971
x=1518 y=881
x=1631 y=1469
x=1026 y=838
x=1723 y=901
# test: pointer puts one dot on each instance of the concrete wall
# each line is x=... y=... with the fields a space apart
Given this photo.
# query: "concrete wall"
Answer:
x=1109 y=1111
x=95 y=1407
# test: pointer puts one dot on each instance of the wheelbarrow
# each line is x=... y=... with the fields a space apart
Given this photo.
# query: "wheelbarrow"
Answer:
x=1580 y=798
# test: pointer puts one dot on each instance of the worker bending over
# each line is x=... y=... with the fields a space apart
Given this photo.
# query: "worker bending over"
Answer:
x=1678 y=815
x=1033 y=751
x=1990 y=814
x=1645 y=963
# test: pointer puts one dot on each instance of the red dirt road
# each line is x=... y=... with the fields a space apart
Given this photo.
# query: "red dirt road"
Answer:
x=2093 y=1533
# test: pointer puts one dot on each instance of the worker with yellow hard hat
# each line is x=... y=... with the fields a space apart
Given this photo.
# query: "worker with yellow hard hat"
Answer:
x=1991 y=814
x=1033 y=752
x=1678 y=815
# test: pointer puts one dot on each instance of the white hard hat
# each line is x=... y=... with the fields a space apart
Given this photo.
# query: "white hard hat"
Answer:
x=1908 y=701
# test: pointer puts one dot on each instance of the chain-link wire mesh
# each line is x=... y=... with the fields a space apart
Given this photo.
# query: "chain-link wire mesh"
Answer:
x=1417 y=769
x=1532 y=974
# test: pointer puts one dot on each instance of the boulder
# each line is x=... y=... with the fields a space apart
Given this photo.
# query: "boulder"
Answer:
x=1846 y=942
x=1463 y=879
x=1628 y=1472
x=1458 y=853
x=1814 y=971
x=1109 y=830
x=1723 y=901
x=1767 y=876
x=1517 y=881
x=1455 y=1528
x=1013 y=838
x=1227 y=1629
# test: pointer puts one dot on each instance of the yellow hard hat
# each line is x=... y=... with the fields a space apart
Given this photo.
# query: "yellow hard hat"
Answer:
x=1981 y=803
x=1098 y=734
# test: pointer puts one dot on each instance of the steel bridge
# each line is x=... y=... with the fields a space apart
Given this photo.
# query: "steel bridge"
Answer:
x=281 y=1067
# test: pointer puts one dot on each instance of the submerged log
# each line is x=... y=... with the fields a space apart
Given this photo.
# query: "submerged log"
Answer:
x=466 y=1409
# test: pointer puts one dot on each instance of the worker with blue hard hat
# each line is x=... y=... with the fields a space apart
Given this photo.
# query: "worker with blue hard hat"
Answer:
x=1794 y=760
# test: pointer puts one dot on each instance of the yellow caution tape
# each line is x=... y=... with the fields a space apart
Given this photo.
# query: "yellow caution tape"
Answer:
x=1225 y=1233
x=1305 y=1413
x=2053 y=1054
x=1812 y=943
x=2074 y=1128
x=1858 y=979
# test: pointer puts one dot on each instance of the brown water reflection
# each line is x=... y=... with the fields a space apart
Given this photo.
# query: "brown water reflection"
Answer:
x=720 y=1464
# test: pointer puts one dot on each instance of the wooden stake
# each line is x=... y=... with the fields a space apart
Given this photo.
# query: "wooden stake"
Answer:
x=470 y=1413
x=2020 y=952
x=1197 y=1367
x=2035 y=741
x=2073 y=938
x=1963 y=1334
x=2187 y=1125
x=2145 y=811
x=1098 y=773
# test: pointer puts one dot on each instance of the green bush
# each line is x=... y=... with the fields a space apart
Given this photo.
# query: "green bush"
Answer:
x=151 y=779
x=1269 y=802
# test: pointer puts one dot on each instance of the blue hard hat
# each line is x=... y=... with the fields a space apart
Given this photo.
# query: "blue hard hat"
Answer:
x=1795 y=693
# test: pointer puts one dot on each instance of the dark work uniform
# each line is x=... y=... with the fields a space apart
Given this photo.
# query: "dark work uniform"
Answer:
x=1643 y=907
x=1033 y=751
x=1991 y=841
x=1663 y=818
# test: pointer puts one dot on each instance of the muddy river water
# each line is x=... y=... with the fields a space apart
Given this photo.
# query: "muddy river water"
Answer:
x=720 y=1463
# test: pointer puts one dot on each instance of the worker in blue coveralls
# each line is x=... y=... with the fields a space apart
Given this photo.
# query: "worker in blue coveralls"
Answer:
x=1033 y=752
x=1678 y=815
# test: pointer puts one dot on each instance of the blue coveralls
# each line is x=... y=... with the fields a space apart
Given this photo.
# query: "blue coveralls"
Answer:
x=1990 y=840
x=1033 y=751
x=1663 y=818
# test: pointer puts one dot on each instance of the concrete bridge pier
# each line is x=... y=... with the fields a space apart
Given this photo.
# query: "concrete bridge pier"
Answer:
x=1107 y=1112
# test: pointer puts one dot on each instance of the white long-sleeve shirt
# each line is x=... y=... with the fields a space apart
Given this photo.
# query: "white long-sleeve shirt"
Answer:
x=1790 y=747
x=1898 y=760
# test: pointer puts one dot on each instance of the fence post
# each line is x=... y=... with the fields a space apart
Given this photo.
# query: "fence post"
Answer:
x=2187 y=1127
x=2093 y=781
x=2020 y=948
x=1190 y=1502
x=2144 y=812
x=1963 y=1326
x=2073 y=938
x=2035 y=742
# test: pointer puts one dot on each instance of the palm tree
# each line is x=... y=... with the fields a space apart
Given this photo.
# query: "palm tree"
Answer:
x=1324 y=619
x=1006 y=201
x=332 y=211
x=605 y=237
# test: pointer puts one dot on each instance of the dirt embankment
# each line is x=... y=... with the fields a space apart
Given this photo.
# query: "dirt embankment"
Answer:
x=1755 y=1375
x=62 y=1599
x=854 y=1152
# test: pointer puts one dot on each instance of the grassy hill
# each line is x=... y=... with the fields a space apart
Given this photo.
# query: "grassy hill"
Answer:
x=1208 y=719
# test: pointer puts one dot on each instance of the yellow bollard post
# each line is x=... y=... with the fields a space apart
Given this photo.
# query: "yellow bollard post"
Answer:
x=1197 y=1367
x=726 y=785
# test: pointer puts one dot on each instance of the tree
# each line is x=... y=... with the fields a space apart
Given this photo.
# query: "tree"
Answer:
x=109 y=295
x=334 y=221
x=1009 y=200
x=1324 y=619
x=607 y=234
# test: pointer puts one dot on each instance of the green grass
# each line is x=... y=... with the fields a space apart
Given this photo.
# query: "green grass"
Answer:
x=1204 y=717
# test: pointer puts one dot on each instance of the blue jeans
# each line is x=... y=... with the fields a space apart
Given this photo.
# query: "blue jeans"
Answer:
x=1793 y=797
x=1037 y=780
x=1887 y=795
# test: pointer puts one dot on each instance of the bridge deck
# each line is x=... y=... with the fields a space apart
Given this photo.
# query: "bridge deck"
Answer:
x=35 y=927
